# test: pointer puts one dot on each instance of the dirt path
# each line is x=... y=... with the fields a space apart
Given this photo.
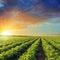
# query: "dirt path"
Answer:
x=41 y=55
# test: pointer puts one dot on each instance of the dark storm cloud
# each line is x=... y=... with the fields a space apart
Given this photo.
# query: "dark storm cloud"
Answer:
x=37 y=8
x=47 y=5
x=50 y=5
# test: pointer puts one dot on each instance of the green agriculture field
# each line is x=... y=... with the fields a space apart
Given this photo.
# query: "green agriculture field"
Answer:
x=29 y=48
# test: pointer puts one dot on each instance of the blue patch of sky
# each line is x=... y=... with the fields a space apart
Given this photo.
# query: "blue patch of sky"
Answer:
x=44 y=29
x=1 y=5
x=54 y=20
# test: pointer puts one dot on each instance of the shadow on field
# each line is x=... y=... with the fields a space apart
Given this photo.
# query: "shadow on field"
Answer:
x=57 y=42
x=41 y=55
x=55 y=48
x=17 y=55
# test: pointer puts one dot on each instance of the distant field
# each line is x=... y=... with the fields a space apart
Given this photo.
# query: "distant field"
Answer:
x=29 y=48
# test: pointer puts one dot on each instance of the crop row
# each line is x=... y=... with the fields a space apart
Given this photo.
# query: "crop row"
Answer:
x=5 y=41
x=15 y=52
x=5 y=48
x=50 y=51
x=30 y=54
x=55 y=43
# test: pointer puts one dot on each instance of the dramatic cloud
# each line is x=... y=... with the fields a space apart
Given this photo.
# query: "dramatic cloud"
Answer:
x=27 y=12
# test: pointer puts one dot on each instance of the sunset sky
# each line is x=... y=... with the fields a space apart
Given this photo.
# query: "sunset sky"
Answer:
x=30 y=17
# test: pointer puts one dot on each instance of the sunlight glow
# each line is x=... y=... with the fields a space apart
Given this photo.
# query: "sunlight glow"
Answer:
x=6 y=33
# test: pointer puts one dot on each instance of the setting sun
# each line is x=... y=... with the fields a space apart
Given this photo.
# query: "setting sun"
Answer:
x=6 y=33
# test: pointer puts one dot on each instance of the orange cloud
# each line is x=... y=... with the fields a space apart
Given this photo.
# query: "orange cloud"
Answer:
x=13 y=19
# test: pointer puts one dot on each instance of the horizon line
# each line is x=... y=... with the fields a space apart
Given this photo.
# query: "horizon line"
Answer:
x=34 y=35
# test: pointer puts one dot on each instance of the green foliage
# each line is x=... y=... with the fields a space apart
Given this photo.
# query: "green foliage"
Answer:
x=15 y=51
x=27 y=47
x=1 y=57
x=51 y=49
x=31 y=52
